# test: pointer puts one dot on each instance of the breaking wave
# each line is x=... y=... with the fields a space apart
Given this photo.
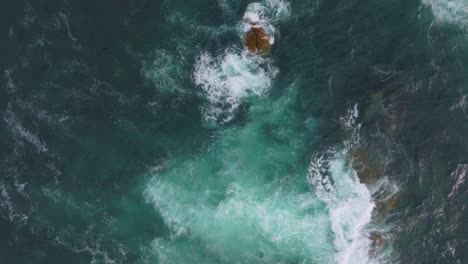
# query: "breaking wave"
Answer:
x=230 y=78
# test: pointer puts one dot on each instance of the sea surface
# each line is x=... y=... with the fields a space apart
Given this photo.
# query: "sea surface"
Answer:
x=142 y=132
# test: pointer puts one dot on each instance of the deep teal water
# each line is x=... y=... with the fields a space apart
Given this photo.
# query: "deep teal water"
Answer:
x=139 y=132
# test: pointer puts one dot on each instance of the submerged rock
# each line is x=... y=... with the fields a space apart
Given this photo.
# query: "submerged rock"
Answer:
x=377 y=242
x=256 y=39
x=367 y=167
x=386 y=205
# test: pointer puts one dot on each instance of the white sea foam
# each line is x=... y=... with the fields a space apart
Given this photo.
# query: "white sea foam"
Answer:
x=459 y=175
x=10 y=85
x=241 y=201
x=265 y=15
x=280 y=9
x=230 y=78
x=276 y=225
x=15 y=215
x=163 y=69
x=256 y=16
x=92 y=246
x=220 y=200
x=271 y=10
x=349 y=203
x=233 y=76
x=64 y=18
x=348 y=200
x=450 y=11
x=17 y=128
x=348 y=121
x=384 y=189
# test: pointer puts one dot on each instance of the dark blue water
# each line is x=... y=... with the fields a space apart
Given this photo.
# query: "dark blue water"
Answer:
x=141 y=132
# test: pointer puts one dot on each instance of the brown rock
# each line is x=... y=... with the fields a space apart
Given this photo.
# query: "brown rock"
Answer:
x=257 y=40
x=384 y=206
x=377 y=244
x=368 y=169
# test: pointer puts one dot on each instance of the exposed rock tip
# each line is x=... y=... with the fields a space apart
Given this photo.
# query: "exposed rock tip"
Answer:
x=257 y=40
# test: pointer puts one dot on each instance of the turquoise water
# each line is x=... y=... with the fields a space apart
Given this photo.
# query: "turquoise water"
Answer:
x=141 y=132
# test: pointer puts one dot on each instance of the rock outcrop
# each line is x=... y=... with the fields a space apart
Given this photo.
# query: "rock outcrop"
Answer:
x=256 y=39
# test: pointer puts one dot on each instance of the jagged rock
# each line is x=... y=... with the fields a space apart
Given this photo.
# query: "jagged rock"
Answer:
x=257 y=40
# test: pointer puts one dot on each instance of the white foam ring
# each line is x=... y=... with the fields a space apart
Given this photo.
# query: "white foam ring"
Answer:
x=230 y=78
x=255 y=16
x=265 y=15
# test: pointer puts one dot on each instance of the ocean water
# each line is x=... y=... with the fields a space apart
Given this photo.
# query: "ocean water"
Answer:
x=142 y=132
